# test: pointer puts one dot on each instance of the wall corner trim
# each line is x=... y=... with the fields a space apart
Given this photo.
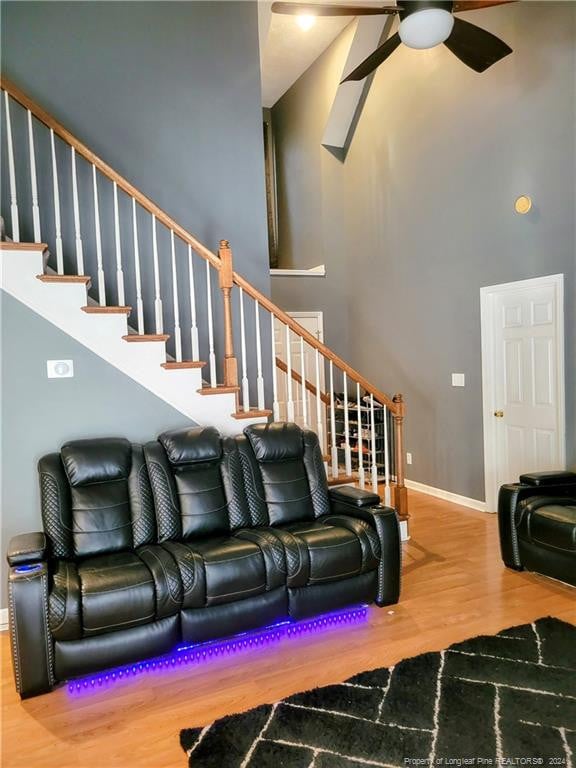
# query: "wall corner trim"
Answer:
x=455 y=498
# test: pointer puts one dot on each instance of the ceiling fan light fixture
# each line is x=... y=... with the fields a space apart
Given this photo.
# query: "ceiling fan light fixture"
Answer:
x=426 y=28
x=306 y=21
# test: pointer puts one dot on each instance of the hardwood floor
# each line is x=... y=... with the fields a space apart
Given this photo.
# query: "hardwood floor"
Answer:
x=454 y=587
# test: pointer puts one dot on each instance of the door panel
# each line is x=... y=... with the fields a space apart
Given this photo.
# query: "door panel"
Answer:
x=525 y=397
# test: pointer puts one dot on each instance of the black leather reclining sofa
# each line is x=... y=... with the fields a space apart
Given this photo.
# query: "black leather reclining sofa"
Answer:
x=537 y=520
x=190 y=538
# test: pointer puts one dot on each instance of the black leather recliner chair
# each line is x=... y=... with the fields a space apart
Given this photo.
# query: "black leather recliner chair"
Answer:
x=192 y=538
x=341 y=544
x=537 y=523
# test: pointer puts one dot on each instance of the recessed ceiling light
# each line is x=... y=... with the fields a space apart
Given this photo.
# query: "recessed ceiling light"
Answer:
x=306 y=21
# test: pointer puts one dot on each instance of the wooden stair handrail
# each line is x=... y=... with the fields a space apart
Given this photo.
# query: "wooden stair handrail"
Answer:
x=308 y=384
x=44 y=117
x=397 y=408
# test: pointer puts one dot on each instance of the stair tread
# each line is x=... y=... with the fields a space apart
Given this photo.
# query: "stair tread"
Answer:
x=94 y=309
x=219 y=390
x=9 y=246
x=139 y=337
x=175 y=365
x=252 y=414
x=86 y=279
x=341 y=479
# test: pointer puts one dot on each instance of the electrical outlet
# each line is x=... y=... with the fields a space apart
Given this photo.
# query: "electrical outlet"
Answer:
x=458 y=380
x=408 y=458
x=60 y=369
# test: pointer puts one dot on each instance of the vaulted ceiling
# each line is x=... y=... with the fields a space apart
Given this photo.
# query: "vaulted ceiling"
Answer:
x=287 y=50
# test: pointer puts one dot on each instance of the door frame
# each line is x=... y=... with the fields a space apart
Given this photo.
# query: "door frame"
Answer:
x=487 y=297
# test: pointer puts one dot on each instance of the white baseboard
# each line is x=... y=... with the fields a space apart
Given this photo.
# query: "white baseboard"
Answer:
x=3 y=619
x=455 y=498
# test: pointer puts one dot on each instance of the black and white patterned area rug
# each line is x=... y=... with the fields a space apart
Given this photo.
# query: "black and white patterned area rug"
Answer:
x=501 y=700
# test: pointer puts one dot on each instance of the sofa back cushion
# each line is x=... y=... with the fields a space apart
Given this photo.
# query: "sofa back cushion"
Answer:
x=197 y=484
x=96 y=498
x=285 y=476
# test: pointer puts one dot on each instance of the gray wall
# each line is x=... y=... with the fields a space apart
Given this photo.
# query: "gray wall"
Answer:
x=40 y=414
x=420 y=216
x=168 y=93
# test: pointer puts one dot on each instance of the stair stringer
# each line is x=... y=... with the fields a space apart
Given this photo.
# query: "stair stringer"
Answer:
x=61 y=305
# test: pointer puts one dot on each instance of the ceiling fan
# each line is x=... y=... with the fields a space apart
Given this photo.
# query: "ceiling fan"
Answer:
x=423 y=24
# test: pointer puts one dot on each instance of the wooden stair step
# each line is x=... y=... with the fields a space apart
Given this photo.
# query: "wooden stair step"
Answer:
x=137 y=337
x=341 y=480
x=253 y=414
x=174 y=365
x=95 y=309
x=9 y=246
x=64 y=279
x=221 y=389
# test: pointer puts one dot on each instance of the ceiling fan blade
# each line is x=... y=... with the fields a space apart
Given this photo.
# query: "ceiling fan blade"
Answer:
x=375 y=59
x=312 y=9
x=475 y=47
x=475 y=5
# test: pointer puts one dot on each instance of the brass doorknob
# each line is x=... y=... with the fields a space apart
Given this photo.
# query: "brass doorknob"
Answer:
x=499 y=414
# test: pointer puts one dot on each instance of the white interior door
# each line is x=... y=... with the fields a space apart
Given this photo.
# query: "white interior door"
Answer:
x=313 y=323
x=523 y=379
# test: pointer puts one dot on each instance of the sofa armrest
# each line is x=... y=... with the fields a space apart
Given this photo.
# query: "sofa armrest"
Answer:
x=356 y=497
x=540 y=479
x=31 y=639
x=385 y=522
x=26 y=548
x=508 y=498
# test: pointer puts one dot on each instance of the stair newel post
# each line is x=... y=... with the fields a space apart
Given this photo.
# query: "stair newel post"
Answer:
x=226 y=282
x=400 y=492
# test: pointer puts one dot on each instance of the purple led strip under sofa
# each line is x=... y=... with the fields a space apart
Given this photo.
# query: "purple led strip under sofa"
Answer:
x=201 y=652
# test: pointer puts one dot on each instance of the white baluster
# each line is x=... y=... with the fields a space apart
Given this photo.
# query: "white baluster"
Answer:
x=33 y=181
x=139 y=301
x=212 y=356
x=361 y=475
x=374 y=466
x=100 y=266
x=76 y=206
x=12 y=174
x=275 y=404
x=347 y=449
x=193 y=324
x=289 y=396
x=119 y=273
x=259 y=377
x=158 y=315
x=387 y=495
x=245 y=386
x=333 y=424
x=319 y=422
x=304 y=392
x=57 y=220
x=175 y=299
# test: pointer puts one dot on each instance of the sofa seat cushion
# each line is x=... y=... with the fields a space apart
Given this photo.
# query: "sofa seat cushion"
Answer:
x=117 y=592
x=333 y=552
x=219 y=570
x=549 y=521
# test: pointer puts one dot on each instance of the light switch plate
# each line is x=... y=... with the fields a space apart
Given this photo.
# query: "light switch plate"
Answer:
x=60 y=369
x=458 y=380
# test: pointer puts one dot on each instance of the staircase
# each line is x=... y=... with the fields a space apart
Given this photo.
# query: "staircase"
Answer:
x=166 y=310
